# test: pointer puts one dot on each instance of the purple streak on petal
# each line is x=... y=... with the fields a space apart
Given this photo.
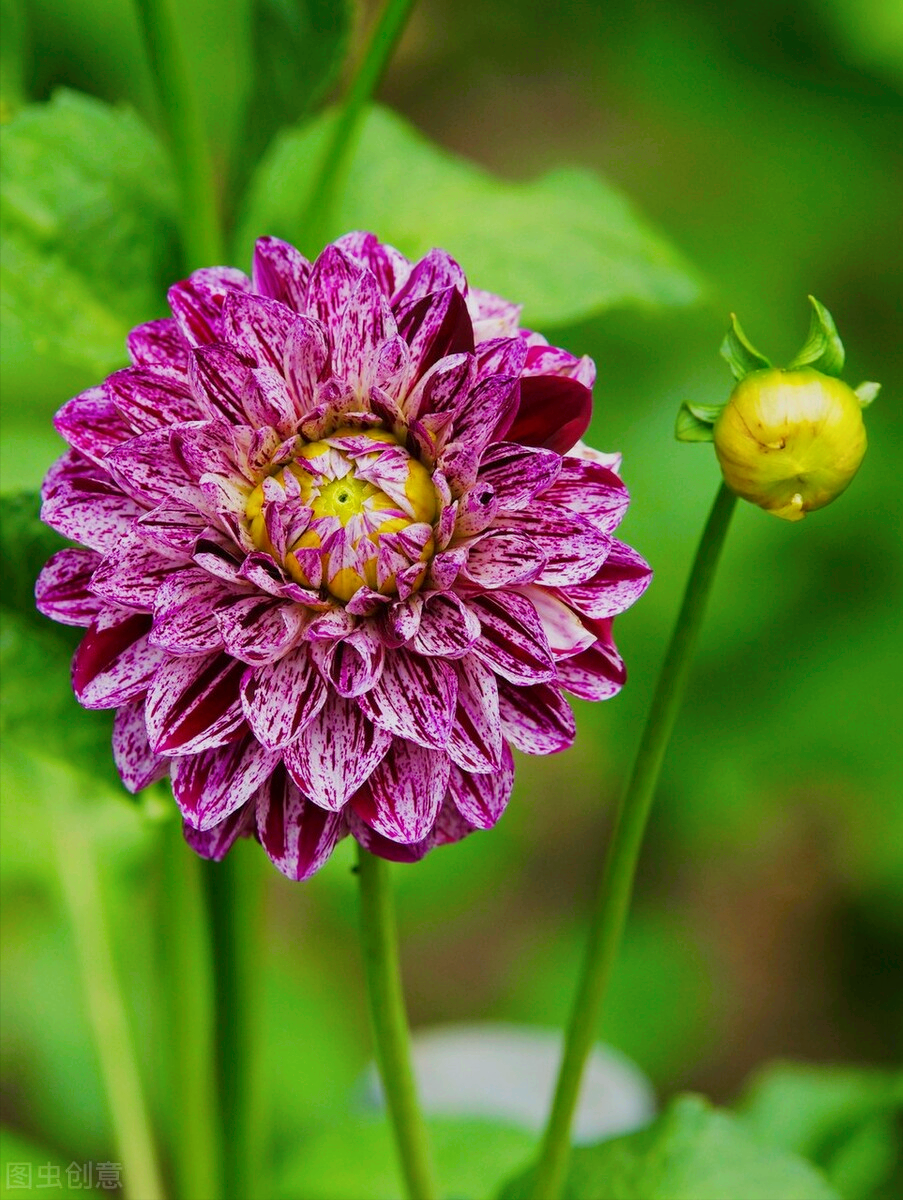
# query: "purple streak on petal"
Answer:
x=620 y=582
x=492 y=316
x=501 y=356
x=414 y=699
x=83 y=503
x=131 y=573
x=518 y=473
x=598 y=673
x=537 y=719
x=209 y=447
x=218 y=379
x=459 y=462
x=389 y=265
x=446 y=567
x=331 y=283
x=159 y=344
x=173 y=525
x=61 y=591
x=266 y=401
x=443 y=388
x=146 y=468
x=401 y=621
x=481 y=799
x=193 y=704
x=435 y=272
x=114 y=664
x=352 y=666
x=592 y=490
x=476 y=738
x=185 y=613
x=475 y=511
x=257 y=328
x=383 y=847
x=259 y=629
x=149 y=399
x=554 y=412
x=297 y=835
x=280 y=272
x=401 y=798
x=512 y=642
x=215 y=555
x=487 y=412
x=502 y=558
x=280 y=698
x=447 y=628
x=305 y=361
x=211 y=785
x=335 y=753
x=549 y=360
x=216 y=842
x=434 y=327
x=360 y=330
x=197 y=302
x=92 y=424
x=572 y=547
x=136 y=763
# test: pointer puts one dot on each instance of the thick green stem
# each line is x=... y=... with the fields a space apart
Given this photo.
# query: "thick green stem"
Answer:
x=234 y=898
x=616 y=884
x=196 y=1149
x=379 y=941
x=201 y=231
x=107 y=1009
x=343 y=135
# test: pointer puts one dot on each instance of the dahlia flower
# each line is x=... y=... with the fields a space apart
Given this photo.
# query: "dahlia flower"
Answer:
x=340 y=549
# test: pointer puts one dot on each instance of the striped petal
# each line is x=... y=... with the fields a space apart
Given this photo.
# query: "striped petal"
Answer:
x=211 y=785
x=216 y=842
x=281 y=697
x=297 y=835
x=481 y=799
x=414 y=699
x=114 y=663
x=401 y=798
x=537 y=719
x=446 y=627
x=593 y=490
x=92 y=424
x=512 y=641
x=476 y=738
x=193 y=704
x=136 y=762
x=518 y=473
x=62 y=593
x=280 y=272
x=335 y=753
x=620 y=582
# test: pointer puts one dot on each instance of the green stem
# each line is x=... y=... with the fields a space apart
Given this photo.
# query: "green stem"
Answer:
x=193 y=1098
x=234 y=897
x=201 y=231
x=343 y=138
x=379 y=941
x=616 y=885
x=107 y=1008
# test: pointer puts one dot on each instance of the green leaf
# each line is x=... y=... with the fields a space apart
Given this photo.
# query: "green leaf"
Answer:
x=88 y=243
x=739 y=353
x=696 y=422
x=470 y=1156
x=299 y=46
x=37 y=707
x=692 y=1152
x=823 y=349
x=841 y=1118
x=565 y=246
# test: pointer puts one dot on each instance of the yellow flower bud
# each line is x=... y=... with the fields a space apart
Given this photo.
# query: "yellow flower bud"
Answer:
x=790 y=440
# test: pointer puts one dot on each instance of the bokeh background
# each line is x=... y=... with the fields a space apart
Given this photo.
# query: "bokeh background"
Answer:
x=766 y=141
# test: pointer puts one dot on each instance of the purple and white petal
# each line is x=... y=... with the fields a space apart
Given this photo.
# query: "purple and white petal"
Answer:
x=503 y=558
x=567 y=634
x=62 y=590
x=476 y=738
x=193 y=704
x=83 y=503
x=434 y=327
x=414 y=699
x=297 y=835
x=518 y=474
x=282 y=697
x=197 y=302
x=132 y=573
x=620 y=582
x=481 y=799
x=447 y=628
x=211 y=785
x=536 y=719
x=136 y=763
x=512 y=640
x=280 y=272
x=92 y=424
x=216 y=842
x=573 y=549
x=259 y=629
x=149 y=398
x=401 y=799
x=114 y=663
x=335 y=753
x=146 y=468
x=597 y=673
x=593 y=490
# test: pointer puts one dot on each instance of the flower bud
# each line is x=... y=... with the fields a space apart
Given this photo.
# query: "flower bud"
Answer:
x=790 y=440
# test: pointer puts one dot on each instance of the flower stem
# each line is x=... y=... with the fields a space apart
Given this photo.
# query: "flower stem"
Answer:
x=379 y=941
x=192 y=1081
x=107 y=1009
x=234 y=897
x=616 y=883
x=342 y=140
x=201 y=231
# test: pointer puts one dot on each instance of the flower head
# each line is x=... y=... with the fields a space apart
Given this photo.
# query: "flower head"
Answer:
x=342 y=550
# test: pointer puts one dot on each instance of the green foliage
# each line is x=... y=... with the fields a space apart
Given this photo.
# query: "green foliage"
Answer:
x=356 y=1157
x=88 y=243
x=823 y=350
x=692 y=1152
x=12 y=52
x=696 y=422
x=739 y=353
x=844 y=1119
x=22 y=1151
x=37 y=708
x=566 y=245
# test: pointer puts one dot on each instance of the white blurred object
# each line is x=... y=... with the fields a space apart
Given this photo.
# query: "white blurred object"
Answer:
x=508 y=1072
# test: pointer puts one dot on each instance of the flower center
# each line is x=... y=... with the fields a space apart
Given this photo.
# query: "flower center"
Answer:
x=348 y=511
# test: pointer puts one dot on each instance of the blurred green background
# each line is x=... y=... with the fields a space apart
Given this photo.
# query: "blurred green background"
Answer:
x=766 y=141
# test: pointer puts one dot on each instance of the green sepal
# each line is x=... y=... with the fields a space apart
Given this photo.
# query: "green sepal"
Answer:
x=695 y=422
x=739 y=353
x=867 y=392
x=823 y=349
